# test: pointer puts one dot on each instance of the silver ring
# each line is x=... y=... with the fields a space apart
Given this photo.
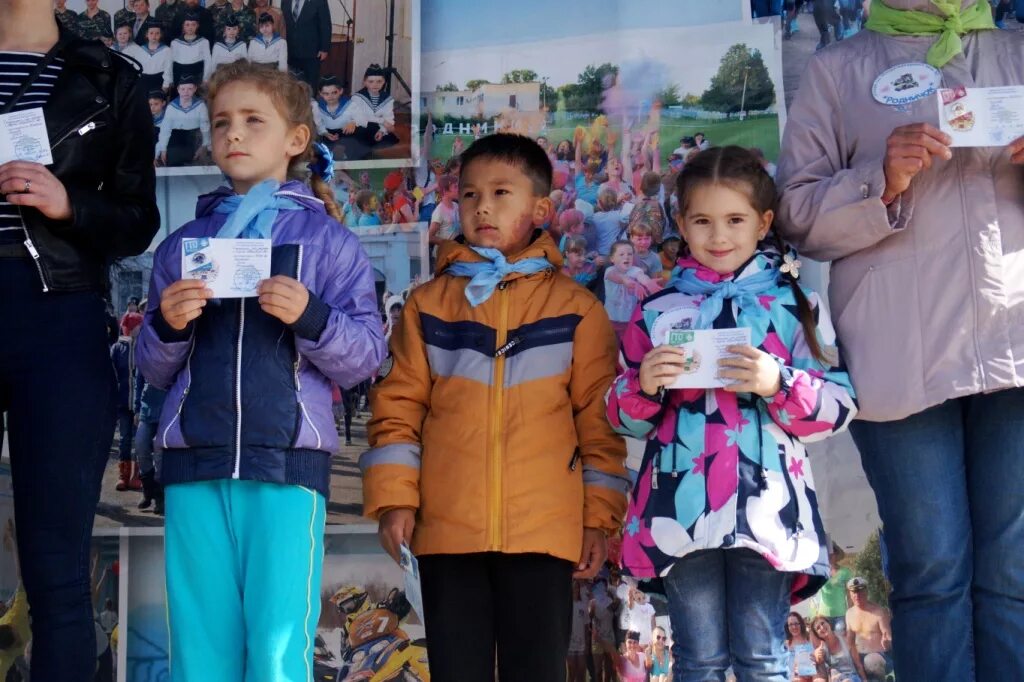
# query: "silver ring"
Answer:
x=28 y=187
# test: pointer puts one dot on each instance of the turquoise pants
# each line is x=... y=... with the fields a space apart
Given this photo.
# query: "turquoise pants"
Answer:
x=244 y=560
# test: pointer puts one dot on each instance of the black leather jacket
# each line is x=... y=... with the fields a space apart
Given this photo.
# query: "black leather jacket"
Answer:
x=101 y=135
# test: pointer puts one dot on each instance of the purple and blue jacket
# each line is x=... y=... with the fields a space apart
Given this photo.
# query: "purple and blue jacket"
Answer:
x=250 y=397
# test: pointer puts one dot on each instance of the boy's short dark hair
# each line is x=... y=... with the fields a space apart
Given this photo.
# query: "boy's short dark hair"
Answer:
x=516 y=150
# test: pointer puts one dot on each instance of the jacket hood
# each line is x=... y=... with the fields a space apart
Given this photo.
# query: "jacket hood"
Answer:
x=922 y=5
x=542 y=246
x=296 y=191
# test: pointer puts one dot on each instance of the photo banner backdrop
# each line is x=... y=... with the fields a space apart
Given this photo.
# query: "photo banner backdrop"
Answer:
x=607 y=70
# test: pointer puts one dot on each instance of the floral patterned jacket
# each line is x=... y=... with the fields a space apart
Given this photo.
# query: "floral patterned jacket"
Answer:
x=730 y=470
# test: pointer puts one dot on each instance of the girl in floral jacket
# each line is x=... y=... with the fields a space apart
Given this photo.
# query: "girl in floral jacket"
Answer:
x=725 y=508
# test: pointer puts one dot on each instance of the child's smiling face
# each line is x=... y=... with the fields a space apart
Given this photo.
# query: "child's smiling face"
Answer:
x=722 y=228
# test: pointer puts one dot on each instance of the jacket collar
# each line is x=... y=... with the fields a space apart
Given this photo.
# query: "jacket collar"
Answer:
x=293 y=189
x=542 y=246
x=765 y=258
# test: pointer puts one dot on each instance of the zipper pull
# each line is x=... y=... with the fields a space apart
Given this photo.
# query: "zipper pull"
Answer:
x=503 y=285
x=31 y=249
x=88 y=127
x=507 y=347
x=575 y=458
x=654 y=477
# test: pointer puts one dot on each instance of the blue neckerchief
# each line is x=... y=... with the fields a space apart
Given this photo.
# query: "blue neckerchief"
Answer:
x=337 y=112
x=252 y=215
x=485 y=276
x=177 y=105
x=744 y=292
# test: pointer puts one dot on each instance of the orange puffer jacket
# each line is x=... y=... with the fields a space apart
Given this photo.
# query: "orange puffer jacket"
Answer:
x=489 y=421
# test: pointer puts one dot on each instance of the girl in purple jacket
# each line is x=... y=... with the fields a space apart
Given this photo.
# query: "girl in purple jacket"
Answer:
x=247 y=429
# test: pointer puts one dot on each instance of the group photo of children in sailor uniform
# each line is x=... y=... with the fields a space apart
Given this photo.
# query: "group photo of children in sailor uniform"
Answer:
x=179 y=44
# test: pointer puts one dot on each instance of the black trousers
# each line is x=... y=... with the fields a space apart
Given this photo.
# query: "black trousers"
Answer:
x=57 y=388
x=518 y=605
x=307 y=69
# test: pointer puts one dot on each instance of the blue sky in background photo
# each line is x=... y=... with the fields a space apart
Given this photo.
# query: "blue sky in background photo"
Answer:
x=460 y=24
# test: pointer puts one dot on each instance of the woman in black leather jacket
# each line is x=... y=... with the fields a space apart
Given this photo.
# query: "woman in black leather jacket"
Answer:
x=61 y=226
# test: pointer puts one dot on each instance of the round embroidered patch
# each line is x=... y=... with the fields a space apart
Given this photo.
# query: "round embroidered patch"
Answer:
x=906 y=83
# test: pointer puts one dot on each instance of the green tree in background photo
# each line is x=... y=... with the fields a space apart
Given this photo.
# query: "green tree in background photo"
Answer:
x=869 y=566
x=741 y=84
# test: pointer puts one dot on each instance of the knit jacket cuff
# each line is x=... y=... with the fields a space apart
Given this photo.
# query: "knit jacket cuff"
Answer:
x=313 y=321
x=167 y=333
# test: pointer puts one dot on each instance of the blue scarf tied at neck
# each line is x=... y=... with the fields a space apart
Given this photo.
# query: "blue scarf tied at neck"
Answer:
x=485 y=276
x=744 y=292
x=252 y=215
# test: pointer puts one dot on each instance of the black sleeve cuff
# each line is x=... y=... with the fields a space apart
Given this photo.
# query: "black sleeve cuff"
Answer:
x=658 y=397
x=313 y=321
x=167 y=333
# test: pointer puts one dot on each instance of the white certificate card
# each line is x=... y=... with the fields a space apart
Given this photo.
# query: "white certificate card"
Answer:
x=982 y=117
x=23 y=137
x=704 y=348
x=232 y=268
x=413 y=589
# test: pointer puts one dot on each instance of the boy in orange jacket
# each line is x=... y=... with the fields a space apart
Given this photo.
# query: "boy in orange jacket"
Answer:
x=490 y=452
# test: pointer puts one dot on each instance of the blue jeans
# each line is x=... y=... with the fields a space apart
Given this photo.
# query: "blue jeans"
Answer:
x=728 y=607
x=147 y=456
x=948 y=483
x=125 y=433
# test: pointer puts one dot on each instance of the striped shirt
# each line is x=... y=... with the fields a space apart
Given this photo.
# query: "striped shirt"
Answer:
x=15 y=68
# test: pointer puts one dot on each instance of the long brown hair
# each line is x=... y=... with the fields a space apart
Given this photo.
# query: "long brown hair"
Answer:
x=292 y=98
x=740 y=170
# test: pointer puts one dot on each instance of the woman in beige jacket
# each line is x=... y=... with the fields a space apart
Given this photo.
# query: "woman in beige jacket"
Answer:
x=927 y=292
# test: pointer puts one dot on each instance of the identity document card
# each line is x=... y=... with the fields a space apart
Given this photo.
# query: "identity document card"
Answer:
x=703 y=347
x=232 y=268
x=982 y=117
x=23 y=137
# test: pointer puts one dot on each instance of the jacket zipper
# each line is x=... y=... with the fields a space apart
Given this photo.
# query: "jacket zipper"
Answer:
x=84 y=127
x=238 y=390
x=298 y=358
x=498 y=420
x=302 y=405
x=184 y=394
x=32 y=251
